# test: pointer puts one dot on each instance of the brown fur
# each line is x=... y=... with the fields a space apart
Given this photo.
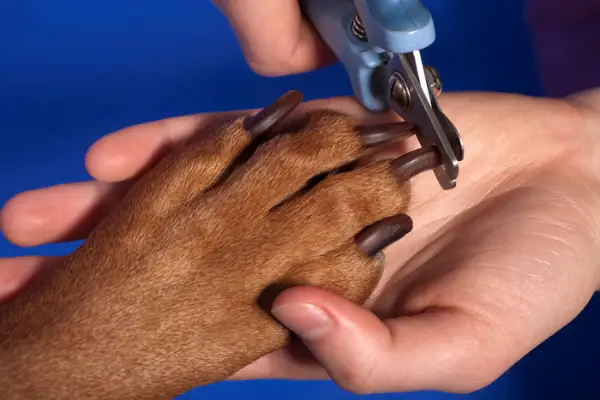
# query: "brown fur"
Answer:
x=163 y=295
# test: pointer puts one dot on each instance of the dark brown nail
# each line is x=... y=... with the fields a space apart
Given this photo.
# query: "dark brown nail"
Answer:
x=268 y=117
x=385 y=152
x=414 y=163
x=373 y=135
x=381 y=234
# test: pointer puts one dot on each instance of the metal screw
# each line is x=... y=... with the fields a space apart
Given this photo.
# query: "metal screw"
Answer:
x=399 y=92
x=433 y=80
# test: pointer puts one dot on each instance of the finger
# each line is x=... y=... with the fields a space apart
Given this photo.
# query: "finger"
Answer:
x=68 y=212
x=58 y=213
x=125 y=154
x=342 y=336
x=128 y=152
x=274 y=36
x=436 y=350
x=16 y=272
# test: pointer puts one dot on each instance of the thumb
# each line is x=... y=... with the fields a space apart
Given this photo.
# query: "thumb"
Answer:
x=347 y=340
x=443 y=350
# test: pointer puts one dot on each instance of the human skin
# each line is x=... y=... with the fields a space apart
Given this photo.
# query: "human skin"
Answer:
x=490 y=270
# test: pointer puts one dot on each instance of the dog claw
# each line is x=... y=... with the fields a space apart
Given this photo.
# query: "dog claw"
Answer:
x=411 y=164
x=387 y=152
x=373 y=135
x=383 y=233
x=268 y=117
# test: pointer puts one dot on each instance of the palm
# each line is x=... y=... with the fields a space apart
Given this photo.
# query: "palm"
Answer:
x=498 y=234
x=500 y=245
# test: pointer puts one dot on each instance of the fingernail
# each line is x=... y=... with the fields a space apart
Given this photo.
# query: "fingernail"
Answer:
x=307 y=321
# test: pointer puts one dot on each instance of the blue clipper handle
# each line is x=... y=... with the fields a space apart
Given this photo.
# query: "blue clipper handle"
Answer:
x=391 y=26
x=365 y=68
x=397 y=26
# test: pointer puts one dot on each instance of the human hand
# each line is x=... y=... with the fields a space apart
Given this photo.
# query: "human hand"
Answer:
x=275 y=37
x=492 y=268
x=465 y=295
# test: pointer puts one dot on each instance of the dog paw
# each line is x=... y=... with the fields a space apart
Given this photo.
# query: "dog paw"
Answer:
x=172 y=289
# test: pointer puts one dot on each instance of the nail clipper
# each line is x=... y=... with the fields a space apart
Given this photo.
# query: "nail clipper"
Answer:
x=379 y=44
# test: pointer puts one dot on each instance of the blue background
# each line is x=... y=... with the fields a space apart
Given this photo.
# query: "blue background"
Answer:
x=72 y=71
